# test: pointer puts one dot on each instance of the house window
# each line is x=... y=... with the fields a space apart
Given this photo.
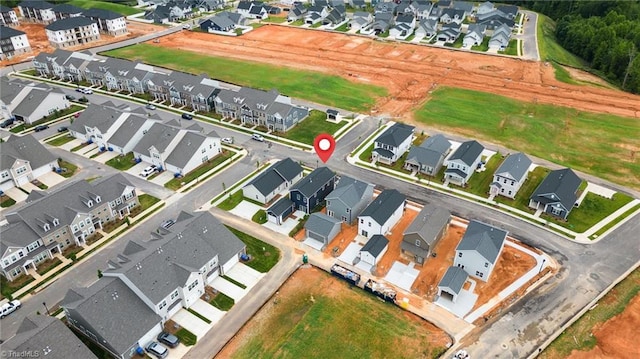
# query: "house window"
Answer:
x=361 y=221
x=417 y=243
x=162 y=304
x=369 y=224
x=479 y=274
x=486 y=264
x=5 y=174
x=21 y=170
x=459 y=254
x=204 y=150
x=33 y=246
x=174 y=295
x=192 y=285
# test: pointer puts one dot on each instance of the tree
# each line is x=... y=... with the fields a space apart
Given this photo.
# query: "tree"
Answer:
x=633 y=53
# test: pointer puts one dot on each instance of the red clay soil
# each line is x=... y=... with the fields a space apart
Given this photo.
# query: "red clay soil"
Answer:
x=40 y=43
x=395 y=240
x=617 y=336
x=408 y=71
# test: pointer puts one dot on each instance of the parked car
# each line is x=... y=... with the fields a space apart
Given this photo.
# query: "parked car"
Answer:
x=187 y=116
x=70 y=98
x=9 y=308
x=148 y=171
x=158 y=350
x=77 y=114
x=169 y=340
x=6 y=123
x=227 y=140
x=63 y=129
x=257 y=137
x=41 y=128
x=85 y=90
x=150 y=107
x=166 y=225
x=186 y=26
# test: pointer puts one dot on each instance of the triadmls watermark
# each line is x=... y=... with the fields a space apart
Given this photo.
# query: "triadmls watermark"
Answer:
x=22 y=353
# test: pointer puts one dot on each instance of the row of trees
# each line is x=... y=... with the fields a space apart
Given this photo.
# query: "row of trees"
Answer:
x=606 y=34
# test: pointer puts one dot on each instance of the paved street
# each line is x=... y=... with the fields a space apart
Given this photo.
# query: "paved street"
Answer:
x=529 y=37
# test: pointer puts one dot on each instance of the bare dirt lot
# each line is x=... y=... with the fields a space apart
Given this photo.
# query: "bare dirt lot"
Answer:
x=39 y=42
x=408 y=71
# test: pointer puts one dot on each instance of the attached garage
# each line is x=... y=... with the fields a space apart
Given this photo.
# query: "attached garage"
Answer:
x=322 y=228
x=279 y=211
x=451 y=283
x=375 y=248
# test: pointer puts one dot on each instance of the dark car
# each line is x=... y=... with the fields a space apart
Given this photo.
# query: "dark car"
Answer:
x=70 y=98
x=7 y=122
x=63 y=129
x=187 y=116
x=169 y=340
x=40 y=128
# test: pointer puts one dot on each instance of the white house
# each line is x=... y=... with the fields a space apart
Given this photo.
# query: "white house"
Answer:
x=72 y=31
x=510 y=176
x=37 y=11
x=275 y=179
x=392 y=143
x=8 y=16
x=130 y=132
x=374 y=249
x=463 y=162
x=23 y=159
x=479 y=249
x=108 y=22
x=27 y=101
x=97 y=123
x=12 y=43
x=381 y=214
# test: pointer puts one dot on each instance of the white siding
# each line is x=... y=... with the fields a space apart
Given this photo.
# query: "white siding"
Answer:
x=150 y=336
x=51 y=102
x=251 y=192
x=212 y=149
x=230 y=263
x=474 y=264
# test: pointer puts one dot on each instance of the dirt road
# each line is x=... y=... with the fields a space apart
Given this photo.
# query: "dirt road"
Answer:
x=408 y=71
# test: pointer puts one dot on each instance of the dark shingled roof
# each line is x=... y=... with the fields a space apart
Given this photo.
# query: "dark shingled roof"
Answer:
x=281 y=206
x=515 y=166
x=483 y=238
x=559 y=186
x=7 y=32
x=468 y=152
x=274 y=176
x=384 y=205
x=69 y=23
x=313 y=181
x=454 y=278
x=376 y=244
x=395 y=134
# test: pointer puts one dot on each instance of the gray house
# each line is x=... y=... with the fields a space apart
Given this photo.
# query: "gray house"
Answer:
x=479 y=250
x=279 y=211
x=463 y=162
x=280 y=176
x=348 y=199
x=425 y=232
x=48 y=336
x=322 y=228
x=392 y=143
x=429 y=156
x=452 y=282
x=105 y=312
x=557 y=194
x=22 y=160
x=510 y=176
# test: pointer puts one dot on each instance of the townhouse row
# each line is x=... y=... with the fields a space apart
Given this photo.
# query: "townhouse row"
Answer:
x=200 y=93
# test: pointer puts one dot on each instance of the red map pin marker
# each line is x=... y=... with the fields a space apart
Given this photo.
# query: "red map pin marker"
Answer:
x=324 y=144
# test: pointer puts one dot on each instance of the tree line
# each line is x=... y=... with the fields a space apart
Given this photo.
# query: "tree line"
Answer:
x=606 y=34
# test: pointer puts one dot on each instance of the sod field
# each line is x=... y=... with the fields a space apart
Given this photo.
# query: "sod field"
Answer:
x=307 y=85
x=599 y=144
x=119 y=8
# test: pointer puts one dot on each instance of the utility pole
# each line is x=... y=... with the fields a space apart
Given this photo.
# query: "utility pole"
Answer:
x=633 y=52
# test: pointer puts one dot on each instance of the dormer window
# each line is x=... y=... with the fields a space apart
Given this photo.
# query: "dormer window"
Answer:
x=98 y=199
x=46 y=227
x=89 y=203
x=56 y=222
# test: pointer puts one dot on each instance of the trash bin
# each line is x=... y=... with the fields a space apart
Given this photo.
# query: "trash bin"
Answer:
x=305 y=258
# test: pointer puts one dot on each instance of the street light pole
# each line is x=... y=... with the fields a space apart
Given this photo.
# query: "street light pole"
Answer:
x=542 y=265
x=45 y=307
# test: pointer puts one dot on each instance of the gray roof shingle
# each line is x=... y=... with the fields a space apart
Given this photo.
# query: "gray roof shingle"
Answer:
x=384 y=205
x=158 y=136
x=274 y=176
x=483 y=238
x=69 y=23
x=24 y=148
x=396 y=134
x=515 y=166
x=8 y=32
x=376 y=244
x=101 y=14
x=321 y=224
x=312 y=183
x=428 y=223
x=96 y=116
x=559 y=186
x=349 y=191
x=454 y=278
x=281 y=206
x=468 y=152
x=37 y=333
x=185 y=149
x=125 y=132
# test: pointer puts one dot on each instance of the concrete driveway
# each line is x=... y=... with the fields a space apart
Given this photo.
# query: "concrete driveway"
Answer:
x=89 y=150
x=229 y=289
x=246 y=210
x=402 y=275
x=209 y=311
x=71 y=144
x=106 y=156
x=29 y=187
x=192 y=323
x=16 y=194
x=287 y=225
x=245 y=275
x=135 y=170
x=51 y=179
x=162 y=178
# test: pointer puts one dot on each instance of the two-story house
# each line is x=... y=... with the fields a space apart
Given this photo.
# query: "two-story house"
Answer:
x=37 y=11
x=63 y=64
x=275 y=179
x=109 y=22
x=124 y=139
x=463 y=162
x=22 y=160
x=13 y=43
x=510 y=176
x=424 y=233
x=310 y=191
x=429 y=156
x=72 y=31
x=479 y=249
x=8 y=16
x=46 y=335
x=64 y=11
x=557 y=193
x=474 y=36
x=28 y=101
x=392 y=143
x=348 y=199
x=151 y=281
x=381 y=214
x=52 y=221
x=97 y=123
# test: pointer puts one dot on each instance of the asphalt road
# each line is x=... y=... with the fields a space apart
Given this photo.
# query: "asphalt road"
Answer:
x=530 y=37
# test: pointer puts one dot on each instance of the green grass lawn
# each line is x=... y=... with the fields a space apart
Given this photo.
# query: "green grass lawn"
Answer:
x=593 y=143
x=592 y=210
x=275 y=20
x=512 y=48
x=484 y=46
x=7 y=202
x=176 y=183
x=532 y=182
x=263 y=255
x=147 y=200
x=232 y=201
x=17 y=129
x=312 y=86
x=562 y=74
x=8 y=288
x=549 y=48
x=235 y=282
x=79 y=147
x=186 y=337
x=119 y=8
x=298 y=22
x=456 y=44
x=59 y=141
x=349 y=323
x=315 y=124
x=479 y=182
x=620 y=218
x=122 y=163
x=70 y=168
x=579 y=335
x=260 y=217
x=366 y=154
x=343 y=28
x=222 y=302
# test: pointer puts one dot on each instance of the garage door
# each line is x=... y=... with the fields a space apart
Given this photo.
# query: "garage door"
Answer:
x=316 y=236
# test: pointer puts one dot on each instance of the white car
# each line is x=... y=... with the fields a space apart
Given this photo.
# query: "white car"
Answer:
x=227 y=140
x=257 y=137
x=84 y=90
x=148 y=171
x=186 y=26
x=9 y=308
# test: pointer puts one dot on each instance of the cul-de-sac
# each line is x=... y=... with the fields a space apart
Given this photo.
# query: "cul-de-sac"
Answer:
x=319 y=178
